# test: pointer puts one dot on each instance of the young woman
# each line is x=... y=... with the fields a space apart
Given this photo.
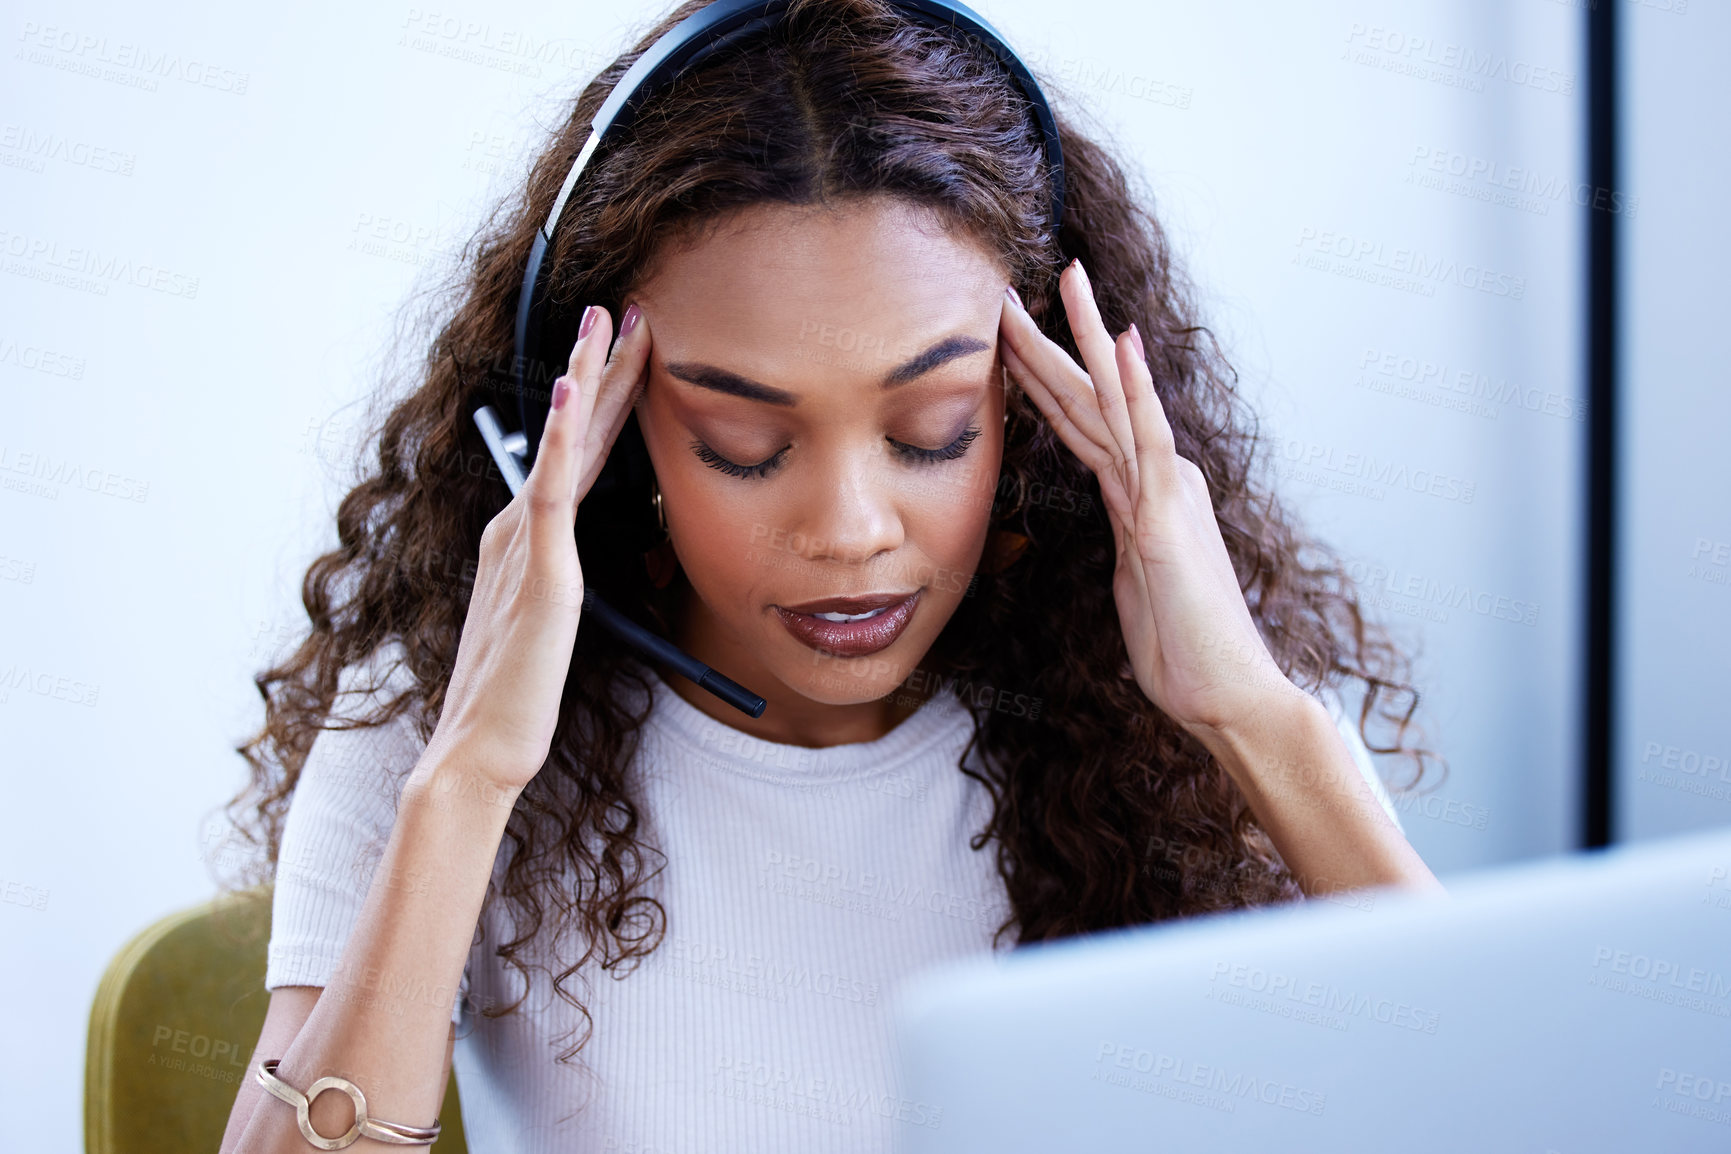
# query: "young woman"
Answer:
x=1042 y=653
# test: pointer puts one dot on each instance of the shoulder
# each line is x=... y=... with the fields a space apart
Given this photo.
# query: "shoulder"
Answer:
x=367 y=685
x=359 y=758
x=344 y=801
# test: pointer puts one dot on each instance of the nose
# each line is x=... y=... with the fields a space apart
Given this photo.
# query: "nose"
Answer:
x=853 y=513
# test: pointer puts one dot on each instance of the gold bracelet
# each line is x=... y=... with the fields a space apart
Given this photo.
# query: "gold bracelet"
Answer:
x=391 y=1132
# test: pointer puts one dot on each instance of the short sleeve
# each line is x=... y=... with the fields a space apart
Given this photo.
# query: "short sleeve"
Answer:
x=1360 y=754
x=339 y=820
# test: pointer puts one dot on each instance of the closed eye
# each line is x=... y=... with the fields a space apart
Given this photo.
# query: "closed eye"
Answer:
x=716 y=461
x=948 y=453
x=763 y=468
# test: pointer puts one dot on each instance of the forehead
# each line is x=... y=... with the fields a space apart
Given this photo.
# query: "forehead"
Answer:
x=879 y=272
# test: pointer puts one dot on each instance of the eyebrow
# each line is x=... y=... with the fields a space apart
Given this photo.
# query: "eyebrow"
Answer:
x=721 y=381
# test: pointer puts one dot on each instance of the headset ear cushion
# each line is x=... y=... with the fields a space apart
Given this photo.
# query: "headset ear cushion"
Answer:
x=627 y=469
x=632 y=453
x=616 y=515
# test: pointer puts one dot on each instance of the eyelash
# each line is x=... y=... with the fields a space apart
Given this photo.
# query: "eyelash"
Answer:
x=949 y=452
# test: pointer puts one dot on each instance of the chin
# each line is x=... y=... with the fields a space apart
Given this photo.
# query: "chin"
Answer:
x=834 y=680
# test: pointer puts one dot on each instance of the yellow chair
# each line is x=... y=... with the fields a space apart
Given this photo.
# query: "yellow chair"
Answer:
x=172 y=1031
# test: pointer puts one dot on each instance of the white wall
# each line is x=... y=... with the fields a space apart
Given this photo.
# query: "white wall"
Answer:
x=304 y=166
x=1673 y=770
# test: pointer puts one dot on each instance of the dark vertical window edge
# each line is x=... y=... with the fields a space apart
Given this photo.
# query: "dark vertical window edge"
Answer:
x=1599 y=701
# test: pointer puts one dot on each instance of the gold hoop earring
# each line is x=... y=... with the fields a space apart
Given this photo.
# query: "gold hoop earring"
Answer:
x=1021 y=497
x=660 y=561
x=660 y=509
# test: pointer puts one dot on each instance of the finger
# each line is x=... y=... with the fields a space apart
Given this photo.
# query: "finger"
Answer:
x=1156 y=452
x=552 y=482
x=1040 y=359
x=1052 y=407
x=1099 y=357
x=622 y=382
x=1088 y=451
x=1068 y=405
x=588 y=359
x=1064 y=394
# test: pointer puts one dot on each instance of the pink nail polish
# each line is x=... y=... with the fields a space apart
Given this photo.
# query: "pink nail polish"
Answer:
x=630 y=321
x=1015 y=297
x=588 y=322
x=561 y=390
x=1136 y=339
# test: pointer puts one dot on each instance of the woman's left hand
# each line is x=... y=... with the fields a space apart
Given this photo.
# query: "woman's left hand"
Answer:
x=1194 y=649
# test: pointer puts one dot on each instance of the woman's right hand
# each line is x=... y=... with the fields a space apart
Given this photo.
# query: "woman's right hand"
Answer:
x=502 y=704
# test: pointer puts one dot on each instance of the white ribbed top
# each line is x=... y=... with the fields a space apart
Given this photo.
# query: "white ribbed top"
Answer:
x=801 y=885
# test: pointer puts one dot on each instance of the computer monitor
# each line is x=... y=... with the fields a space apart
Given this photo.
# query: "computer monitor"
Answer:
x=1577 y=1004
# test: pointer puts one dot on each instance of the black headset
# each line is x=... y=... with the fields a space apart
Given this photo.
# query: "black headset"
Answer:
x=714 y=27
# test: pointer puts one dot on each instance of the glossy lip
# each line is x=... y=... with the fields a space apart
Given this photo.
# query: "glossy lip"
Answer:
x=851 y=638
x=864 y=603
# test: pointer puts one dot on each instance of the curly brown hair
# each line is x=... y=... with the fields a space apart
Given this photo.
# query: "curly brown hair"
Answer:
x=844 y=98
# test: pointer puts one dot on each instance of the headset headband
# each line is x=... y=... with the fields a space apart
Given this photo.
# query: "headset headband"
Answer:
x=683 y=46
